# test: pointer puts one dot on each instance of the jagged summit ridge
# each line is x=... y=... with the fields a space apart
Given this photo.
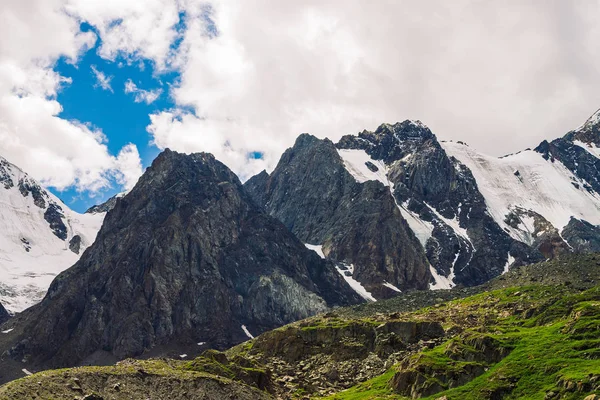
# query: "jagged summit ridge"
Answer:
x=474 y=216
x=357 y=224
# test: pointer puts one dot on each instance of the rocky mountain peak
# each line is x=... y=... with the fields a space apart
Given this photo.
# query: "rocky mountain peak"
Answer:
x=579 y=152
x=405 y=129
x=392 y=142
x=185 y=257
x=589 y=132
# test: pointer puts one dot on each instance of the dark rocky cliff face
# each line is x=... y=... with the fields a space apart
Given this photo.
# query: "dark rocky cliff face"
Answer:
x=575 y=152
x=313 y=194
x=569 y=151
x=4 y=315
x=185 y=257
x=466 y=242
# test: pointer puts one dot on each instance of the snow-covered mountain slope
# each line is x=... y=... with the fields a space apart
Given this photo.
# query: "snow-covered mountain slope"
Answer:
x=40 y=237
x=475 y=215
x=528 y=181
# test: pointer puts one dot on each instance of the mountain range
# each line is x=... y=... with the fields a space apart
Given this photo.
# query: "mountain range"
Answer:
x=40 y=237
x=192 y=259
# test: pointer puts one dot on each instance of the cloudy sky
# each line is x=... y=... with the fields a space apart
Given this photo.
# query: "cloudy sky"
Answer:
x=92 y=90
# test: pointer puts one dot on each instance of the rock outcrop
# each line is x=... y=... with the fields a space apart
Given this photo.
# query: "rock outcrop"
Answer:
x=356 y=223
x=106 y=206
x=185 y=257
x=4 y=315
x=464 y=242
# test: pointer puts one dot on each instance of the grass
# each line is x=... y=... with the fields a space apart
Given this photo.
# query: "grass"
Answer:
x=521 y=342
x=553 y=335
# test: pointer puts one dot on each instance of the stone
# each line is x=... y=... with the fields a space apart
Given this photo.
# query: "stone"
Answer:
x=75 y=244
x=54 y=216
x=314 y=195
x=186 y=254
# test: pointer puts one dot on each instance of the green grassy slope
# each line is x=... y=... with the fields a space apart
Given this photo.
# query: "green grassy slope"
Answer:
x=550 y=341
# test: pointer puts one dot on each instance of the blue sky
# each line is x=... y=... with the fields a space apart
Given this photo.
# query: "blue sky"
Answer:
x=115 y=112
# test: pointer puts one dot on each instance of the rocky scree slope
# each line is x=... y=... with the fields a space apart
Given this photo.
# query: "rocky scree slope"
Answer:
x=506 y=342
x=40 y=237
x=185 y=258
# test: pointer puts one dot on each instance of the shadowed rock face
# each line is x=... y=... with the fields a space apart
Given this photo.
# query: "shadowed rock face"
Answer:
x=4 y=316
x=582 y=236
x=313 y=194
x=185 y=257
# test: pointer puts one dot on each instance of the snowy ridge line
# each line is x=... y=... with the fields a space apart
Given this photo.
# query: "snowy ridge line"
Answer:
x=31 y=254
x=590 y=148
x=528 y=181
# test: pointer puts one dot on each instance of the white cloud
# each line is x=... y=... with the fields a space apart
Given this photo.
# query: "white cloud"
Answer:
x=141 y=95
x=130 y=28
x=128 y=166
x=60 y=153
x=501 y=76
x=102 y=80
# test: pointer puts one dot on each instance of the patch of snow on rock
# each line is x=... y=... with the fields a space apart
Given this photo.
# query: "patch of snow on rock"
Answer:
x=247 y=332
x=354 y=284
x=590 y=148
x=390 y=286
x=542 y=186
x=509 y=262
x=441 y=282
x=356 y=161
x=423 y=230
x=316 y=248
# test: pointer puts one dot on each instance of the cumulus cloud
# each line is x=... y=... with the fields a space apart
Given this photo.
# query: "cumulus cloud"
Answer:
x=128 y=166
x=102 y=80
x=60 y=153
x=501 y=76
x=141 y=95
x=132 y=29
